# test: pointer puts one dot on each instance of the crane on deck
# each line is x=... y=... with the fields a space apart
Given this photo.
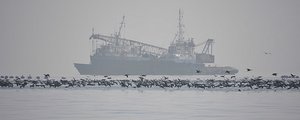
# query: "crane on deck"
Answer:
x=116 y=45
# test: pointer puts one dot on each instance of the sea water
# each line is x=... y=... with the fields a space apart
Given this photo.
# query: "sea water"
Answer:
x=147 y=104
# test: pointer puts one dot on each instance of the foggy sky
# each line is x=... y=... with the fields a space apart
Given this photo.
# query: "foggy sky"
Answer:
x=48 y=36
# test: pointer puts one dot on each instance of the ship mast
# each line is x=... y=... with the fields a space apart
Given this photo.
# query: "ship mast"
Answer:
x=93 y=51
x=118 y=35
x=180 y=27
x=179 y=46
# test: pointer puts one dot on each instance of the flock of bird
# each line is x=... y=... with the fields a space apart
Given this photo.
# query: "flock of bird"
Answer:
x=144 y=82
x=227 y=72
x=164 y=82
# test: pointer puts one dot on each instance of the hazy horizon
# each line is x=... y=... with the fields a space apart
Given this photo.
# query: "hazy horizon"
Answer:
x=40 y=36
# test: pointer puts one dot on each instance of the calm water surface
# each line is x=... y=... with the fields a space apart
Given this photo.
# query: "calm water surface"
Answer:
x=138 y=104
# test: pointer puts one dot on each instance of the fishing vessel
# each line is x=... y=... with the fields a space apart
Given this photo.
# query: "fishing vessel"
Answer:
x=114 y=55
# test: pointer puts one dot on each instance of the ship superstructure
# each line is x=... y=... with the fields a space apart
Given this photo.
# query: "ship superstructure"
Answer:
x=114 y=55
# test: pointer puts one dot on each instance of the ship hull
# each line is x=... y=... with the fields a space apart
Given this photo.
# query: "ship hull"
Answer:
x=135 y=66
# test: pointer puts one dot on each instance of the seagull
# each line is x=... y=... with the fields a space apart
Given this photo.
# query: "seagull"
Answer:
x=267 y=53
x=248 y=69
x=46 y=76
x=293 y=76
x=274 y=74
x=126 y=75
x=258 y=78
x=141 y=78
x=165 y=77
x=29 y=77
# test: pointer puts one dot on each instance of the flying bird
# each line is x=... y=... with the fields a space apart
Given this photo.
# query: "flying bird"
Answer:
x=46 y=76
x=142 y=78
x=248 y=69
x=198 y=71
x=126 y=75
x=293 y=76
x=274 y=74
x=267 y=53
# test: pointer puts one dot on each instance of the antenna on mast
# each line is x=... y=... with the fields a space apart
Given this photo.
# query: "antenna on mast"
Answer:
x=180 y=26
x=93 y=31
x=93 y=42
